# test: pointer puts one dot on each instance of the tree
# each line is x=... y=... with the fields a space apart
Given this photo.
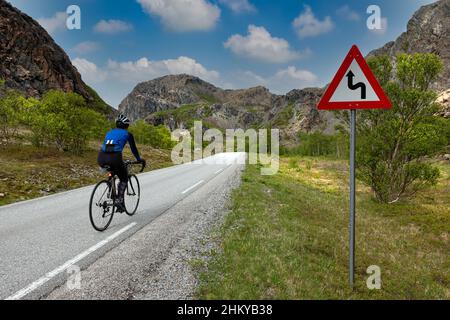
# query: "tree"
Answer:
x=319 y=144
x=63 y=119
x=11 y=104
x=393 y=145
x=157 y=137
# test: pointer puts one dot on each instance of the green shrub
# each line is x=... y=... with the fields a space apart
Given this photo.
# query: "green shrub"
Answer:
x=63 y=119
x=282 y=118
x=319 y=144
x=97 y=104
x=155 y=136
x=293 y=163
x=393 y=145
x=11 y=105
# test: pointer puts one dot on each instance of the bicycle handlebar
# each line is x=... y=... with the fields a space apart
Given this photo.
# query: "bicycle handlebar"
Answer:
x=129 y=163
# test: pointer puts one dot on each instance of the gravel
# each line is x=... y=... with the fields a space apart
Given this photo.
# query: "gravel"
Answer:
x=158 y=261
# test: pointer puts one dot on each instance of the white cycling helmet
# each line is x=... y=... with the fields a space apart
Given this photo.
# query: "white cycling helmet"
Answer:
x=122 y=120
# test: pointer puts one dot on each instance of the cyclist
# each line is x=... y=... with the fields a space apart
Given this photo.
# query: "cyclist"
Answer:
x=110 y=155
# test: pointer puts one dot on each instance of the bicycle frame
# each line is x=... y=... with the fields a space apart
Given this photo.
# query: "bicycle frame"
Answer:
x=108 y=199
x=112 y=193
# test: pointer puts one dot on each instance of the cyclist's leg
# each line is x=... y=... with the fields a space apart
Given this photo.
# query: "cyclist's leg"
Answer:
x=122 y=186
x=103 y=159
x=121 y=171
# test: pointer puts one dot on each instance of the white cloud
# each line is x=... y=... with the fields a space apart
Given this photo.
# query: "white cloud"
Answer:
x=307 y=25
x=292 y=78
x=239 y=6
x=142 y=69
x=183 y=15
x=112 y=26
x=281 y=82
x=86 y=47
x=89 y=71
x=190 y=66
x=145 y=69
x=54 y=24
x=293 y=73
x=253 y=78
x=347 y=13
x=260 y=45
x=384 y=27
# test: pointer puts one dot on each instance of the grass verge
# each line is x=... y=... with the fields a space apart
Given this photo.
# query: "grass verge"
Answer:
x=286 y=237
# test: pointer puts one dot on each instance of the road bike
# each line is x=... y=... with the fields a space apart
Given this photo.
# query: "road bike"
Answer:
x=103 y=202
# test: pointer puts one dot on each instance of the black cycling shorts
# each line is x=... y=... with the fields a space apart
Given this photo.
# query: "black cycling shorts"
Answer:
x=115 y=162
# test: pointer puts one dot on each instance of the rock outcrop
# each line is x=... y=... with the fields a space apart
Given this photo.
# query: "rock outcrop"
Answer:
x=428 y=31
x=164 y=93
x=444 y=100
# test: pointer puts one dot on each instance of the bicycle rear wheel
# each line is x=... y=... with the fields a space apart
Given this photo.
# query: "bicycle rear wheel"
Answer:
x=101 y=206
x=132 y=195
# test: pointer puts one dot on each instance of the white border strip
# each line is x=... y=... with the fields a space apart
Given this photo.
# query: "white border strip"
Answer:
x=36 y=284
x=195 y=185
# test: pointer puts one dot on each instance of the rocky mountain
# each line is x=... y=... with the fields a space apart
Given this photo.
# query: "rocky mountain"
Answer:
x=31 y=62
x=177 y=100
x=428 y=31
x=164 y=94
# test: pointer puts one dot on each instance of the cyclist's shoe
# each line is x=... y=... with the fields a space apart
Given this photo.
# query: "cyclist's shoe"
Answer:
x=120 y=206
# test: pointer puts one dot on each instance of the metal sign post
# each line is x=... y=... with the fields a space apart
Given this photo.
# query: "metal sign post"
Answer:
x=352 y=196
x=353 y=87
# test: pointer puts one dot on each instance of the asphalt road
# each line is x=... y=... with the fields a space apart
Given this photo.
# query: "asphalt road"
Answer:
x=41 y=240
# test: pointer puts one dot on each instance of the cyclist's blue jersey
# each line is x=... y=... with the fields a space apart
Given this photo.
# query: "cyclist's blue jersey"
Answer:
x=116 y=139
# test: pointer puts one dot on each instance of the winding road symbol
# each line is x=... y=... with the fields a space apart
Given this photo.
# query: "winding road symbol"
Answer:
x=350 y=75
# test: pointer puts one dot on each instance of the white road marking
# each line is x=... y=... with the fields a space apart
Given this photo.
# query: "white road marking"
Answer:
x=190 y=188
x=218 y=171
x=36 y=284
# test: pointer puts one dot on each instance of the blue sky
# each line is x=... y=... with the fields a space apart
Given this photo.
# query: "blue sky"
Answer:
x=282 y=45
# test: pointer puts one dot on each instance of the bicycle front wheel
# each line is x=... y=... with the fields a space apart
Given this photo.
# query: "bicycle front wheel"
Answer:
x=101 y=206
x=132 y=195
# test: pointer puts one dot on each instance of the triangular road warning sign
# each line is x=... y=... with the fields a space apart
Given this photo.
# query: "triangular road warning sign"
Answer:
x=354 y=86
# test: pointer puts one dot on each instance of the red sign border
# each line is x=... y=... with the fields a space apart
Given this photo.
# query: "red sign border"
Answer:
x=354 y=54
